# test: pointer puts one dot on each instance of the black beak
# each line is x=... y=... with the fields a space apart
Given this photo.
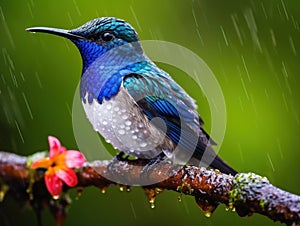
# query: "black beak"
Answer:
x=55 y=31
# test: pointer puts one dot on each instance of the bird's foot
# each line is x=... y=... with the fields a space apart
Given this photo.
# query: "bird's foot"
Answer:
x=150 y=166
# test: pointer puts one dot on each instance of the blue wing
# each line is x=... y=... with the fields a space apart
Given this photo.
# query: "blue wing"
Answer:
x=159 y=96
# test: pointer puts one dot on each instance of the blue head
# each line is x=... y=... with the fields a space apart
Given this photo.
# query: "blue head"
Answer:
x=97 y=37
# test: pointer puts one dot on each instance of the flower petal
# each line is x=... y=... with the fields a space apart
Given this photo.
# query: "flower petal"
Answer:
x=74 y=158
x=41 y=163
x=55 y=146
x=54 y=184
x=68 y=176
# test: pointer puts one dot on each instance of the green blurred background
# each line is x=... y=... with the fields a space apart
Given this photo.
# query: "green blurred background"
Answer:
x=251 y=46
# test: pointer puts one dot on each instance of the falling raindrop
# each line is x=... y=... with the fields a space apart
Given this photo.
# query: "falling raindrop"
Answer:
x=279 y=11
x=6 y=28
x=254 y=107
x=271 y=163
x=68 y=109
x=77 y=8
x=11 y=63
x=13 y=77
x=245 y=89
x=246 y=68
x=19 y=130
x=22 y=76
x=27 y=105
x=3 y=79
x=241 y=104
x=295 y=113
x=233 y=18
x=38 y=79
x=224 y=35
x=285 y=10
x=295 y=23
x=195 y=18
x=135 y=17
x=186 y=207
x=285 y=102
x=67 y=44
x=292 y=45
x=249 y=17
x=200 y=37
x=273 y=37
x=70 y=19
x=133 y=211
x=30 y=9
x=284 y=71
x=263 y=9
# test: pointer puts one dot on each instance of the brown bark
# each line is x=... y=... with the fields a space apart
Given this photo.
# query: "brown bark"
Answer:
x=246 y=193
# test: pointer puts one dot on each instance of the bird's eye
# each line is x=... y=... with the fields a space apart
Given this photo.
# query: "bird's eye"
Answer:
x=107 y=36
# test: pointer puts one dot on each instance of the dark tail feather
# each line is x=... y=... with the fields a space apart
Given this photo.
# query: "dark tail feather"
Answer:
x=210 y=157
x=219 y=164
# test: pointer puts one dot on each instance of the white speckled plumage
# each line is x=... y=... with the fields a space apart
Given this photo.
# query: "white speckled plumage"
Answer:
x=121 y=122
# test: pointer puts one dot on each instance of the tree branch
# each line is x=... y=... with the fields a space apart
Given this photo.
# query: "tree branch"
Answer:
x=247 y=193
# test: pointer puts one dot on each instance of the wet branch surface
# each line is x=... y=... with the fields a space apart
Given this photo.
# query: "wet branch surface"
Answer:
x=246 y=193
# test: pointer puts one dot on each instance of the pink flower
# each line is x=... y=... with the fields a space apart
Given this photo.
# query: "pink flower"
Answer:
x=59 y=166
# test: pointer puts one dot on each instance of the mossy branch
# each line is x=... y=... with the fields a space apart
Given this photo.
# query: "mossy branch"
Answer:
x=247 y=193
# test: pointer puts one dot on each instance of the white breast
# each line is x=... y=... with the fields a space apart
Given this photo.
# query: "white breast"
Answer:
x=121 y=122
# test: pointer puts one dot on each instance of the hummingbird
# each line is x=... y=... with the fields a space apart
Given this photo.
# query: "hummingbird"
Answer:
x=131 y=102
